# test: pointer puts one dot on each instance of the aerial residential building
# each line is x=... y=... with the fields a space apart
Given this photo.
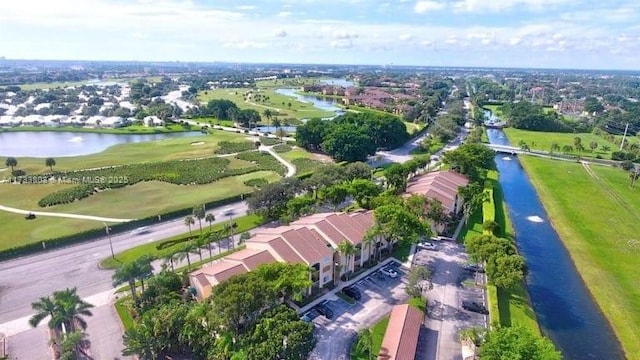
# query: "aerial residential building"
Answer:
x=401 y=337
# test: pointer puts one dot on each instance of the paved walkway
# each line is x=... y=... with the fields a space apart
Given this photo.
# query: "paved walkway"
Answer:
x=291 y=170
x=63 y=215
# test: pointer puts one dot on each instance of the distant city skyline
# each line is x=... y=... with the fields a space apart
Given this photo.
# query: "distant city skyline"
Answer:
x=561 y=34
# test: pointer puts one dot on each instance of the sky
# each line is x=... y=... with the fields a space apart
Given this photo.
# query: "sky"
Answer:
x=575 y=34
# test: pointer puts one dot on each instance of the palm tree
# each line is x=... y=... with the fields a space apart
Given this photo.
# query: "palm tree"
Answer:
x=268 y=114
x=346 y=250
x=145 y=269
x=11 y=162
x=187 y=249
x=127 y=273
x=210 y=218
x=169 y=258
x=71 y=309
x=44 y=307
x=200 y=243
x=188 y=221
x=199 y=213
x=217 y=237
x=369 y=241
x=50 y=162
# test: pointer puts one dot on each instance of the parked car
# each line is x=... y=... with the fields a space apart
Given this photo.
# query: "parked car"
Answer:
x=474 y=307
x=309 y=315
x=352 y=292
x=427 y=246
x=30 y=216
x=473 y=268
x=389 y=272
x=324 y=310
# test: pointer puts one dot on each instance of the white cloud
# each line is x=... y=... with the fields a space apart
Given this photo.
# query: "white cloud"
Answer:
x=280 y=33
x=342 y=44
x=405 y=37
x=284 y=13
x=246 y=44
x=246 y=7
x=344 y=35
x=515 y=41
x=424 y=6
x=476 y=6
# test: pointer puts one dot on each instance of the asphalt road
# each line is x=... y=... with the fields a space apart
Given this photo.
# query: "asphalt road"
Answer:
x=24 y=280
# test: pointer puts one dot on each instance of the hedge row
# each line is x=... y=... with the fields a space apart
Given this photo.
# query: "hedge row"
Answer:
x=201 y=171
x=268 y=141
x=86 y=236
x=229 y=147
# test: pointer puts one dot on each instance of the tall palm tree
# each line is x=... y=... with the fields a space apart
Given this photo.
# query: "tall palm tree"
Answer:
x=145 y=269
x=199 y=213
x=71 y=309
x=201 y=242
x=188 y=221
x=11 y=162
x=210 y=218
x=369 y=241
x=169 y=258
x=44 y=307
x=346 y=250
x=267 y=114
x=127 y=273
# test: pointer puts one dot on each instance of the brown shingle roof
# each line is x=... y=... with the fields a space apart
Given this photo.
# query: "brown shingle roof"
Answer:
x=307 y=244
x=222 y=270
x=440 y=185
x=401 y=337
x=251 y=258
x=279 y=247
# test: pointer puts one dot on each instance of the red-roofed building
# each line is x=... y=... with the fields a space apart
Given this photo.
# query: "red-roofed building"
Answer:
x=442 y=186
x=401 y=337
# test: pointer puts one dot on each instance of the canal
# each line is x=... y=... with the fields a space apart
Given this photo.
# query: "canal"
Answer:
x=566 y=311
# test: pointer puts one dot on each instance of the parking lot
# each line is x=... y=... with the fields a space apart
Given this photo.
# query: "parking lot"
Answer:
x=379 y=293
x=445 y=316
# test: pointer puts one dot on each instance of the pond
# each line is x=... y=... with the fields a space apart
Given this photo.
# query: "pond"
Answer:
x=320 y=102
x=565 y=309
x=61 y=144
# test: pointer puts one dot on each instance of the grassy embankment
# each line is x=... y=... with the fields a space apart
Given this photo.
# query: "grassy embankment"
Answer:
x=277 y=103
x=377 y=334
x=598 y=220
x=136 y=201
x=244 y=223
x=129 y=130
x=508 y=307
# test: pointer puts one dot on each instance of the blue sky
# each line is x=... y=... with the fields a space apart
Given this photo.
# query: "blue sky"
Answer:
x=590 y=34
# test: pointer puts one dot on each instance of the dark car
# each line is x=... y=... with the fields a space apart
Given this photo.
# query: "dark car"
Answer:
x=474 y=307
x=30 y=216
x=352 y=292
x=474 y=268
x=324 y=310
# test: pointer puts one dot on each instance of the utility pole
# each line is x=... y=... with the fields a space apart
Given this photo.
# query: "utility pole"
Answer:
x=624 y=136
x=107 y=230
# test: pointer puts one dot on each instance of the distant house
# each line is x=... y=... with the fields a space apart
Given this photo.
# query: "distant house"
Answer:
x=152 y=121
x=113 y=122
x=312 y=240
x=401 y=337
x=442 y=186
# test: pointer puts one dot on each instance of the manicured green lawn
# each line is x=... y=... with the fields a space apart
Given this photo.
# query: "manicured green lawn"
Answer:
x=539 y=140
x=377 y=334
x=244 y=223
x=599 y=223
x=277 y=103
x=161 y=150
x=122 y=306
x=137 y=201
x=418 y=303
x=296 y=153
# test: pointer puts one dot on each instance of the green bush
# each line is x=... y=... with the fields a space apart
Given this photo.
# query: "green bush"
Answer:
x=282 y=148
x=230 y=147
x=180 y=172
x=259 y=182
x=263 y=161
x=268 y=141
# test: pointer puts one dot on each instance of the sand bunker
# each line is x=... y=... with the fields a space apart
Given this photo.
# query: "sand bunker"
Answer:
x=535 y=218
x=197 y=143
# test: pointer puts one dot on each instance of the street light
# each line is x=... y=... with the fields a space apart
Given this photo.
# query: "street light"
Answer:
x=107 y=229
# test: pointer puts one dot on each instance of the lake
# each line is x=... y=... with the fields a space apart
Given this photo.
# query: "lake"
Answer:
x=61 y=144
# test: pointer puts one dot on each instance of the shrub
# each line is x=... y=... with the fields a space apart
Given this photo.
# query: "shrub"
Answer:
x=268 y=141
x=259 y=182
x=282 y=148
x=264 y=161
x=229 y=147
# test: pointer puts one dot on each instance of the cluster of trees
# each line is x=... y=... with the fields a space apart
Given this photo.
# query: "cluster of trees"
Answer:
x=66 y=311
x=471 y=159
x=243 y=318
x=485 y=91
x=227 y=110
x=352 y=137
x=142 y=92
x=527 y=116
x=397 y=174
x=513 y=342
x=504 y=266
x=290 y=198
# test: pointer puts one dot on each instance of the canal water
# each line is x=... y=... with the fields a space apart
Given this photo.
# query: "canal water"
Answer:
x=565 y=309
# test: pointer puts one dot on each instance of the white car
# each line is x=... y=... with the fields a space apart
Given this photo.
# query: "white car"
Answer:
x=141 y=230
x=427 y=246
x=227 y=211
x=389 y=272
